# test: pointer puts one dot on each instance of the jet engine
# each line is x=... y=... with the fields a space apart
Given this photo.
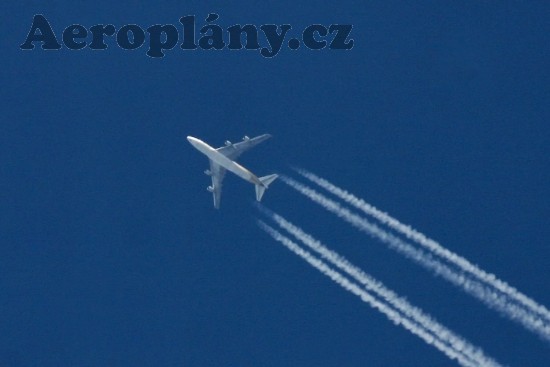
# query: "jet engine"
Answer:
x=210 y=188
x=228 y=143
x=246 y=138
x=208 y=172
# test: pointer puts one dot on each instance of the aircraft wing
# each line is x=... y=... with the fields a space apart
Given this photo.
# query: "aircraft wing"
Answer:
x=232 y=151
x=217 y=173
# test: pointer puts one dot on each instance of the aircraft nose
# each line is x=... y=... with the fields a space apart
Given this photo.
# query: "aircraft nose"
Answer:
x=194 y=142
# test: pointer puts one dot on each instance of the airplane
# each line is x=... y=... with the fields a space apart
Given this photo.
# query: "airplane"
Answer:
x=223 y=158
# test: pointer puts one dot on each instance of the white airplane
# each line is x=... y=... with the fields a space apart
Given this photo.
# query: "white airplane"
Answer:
x=223 y=159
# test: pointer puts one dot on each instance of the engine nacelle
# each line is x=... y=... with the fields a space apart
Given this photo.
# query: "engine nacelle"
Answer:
x=208 y=172
x=228 y=143
x=210 y=189
x=246 y=138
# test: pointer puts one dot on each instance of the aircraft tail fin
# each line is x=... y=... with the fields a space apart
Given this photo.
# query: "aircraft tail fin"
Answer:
x=266 y=180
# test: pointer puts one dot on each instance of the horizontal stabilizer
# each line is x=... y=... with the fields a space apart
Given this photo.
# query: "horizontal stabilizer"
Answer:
x=266 y=180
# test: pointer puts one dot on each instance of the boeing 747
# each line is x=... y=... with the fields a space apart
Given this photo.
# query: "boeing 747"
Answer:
x=223 y=158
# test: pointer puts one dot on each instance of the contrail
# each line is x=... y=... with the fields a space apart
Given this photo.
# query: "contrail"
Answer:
x=487 y=295
x=414 y=313
x=388 y=311
x=432 y=245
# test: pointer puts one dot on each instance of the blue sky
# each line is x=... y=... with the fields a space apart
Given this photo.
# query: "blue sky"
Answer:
x=111 y=252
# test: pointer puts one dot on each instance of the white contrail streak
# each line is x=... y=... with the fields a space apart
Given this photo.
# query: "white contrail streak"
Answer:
x=433 y=246
x=366 y=297
x=414 y=313
x=487 y=295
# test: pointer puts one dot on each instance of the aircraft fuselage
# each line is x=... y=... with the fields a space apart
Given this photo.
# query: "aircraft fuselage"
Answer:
x=223 y=161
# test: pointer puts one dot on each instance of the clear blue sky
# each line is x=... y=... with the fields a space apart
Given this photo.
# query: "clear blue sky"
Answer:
x=112 y=255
